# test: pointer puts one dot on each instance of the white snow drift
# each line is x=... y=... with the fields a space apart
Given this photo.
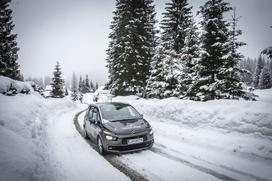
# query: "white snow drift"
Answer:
x=221 y=139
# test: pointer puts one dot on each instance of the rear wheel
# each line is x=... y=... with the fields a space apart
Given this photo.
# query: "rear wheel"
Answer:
x=100 y=146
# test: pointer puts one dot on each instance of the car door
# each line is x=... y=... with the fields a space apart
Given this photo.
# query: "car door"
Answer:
x=89 y=122
x=97 y=124
x=93 y=123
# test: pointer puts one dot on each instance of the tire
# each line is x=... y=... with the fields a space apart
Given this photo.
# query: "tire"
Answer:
x=100 y=146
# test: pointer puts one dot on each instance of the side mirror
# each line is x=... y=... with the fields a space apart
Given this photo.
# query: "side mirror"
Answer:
x=91 y=120
x=96 y=122
x=141 y=116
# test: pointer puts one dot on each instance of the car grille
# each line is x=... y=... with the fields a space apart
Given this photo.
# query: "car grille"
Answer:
x=131 y=147
x=124 y=140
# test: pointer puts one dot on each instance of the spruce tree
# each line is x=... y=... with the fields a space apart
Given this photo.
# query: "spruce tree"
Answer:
x=92 y=86
x=132 y=46
x=57 y=83
x=230 y=84
x=74 y=84
x=156 y=85
x=66 y=92
x=86 y=85
x=167 y=75
x=247 y=74
x=257 y=72
x=96 y=86
x=80 y=84
x=265 y=81
x=8 y=45
x=218 y=66
x=190 y=57
x=176 y=20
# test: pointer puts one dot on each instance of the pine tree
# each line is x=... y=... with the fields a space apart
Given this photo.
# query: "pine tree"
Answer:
x=66 y=92
x=174 y=25
x=86 y=85
x=257 y=73
x=80 y=84
x=190 y=57
x=230 y=85
x=92 y=86
x=156 y=85
x=218 y=66
x=57 y=83
x=265 y=81
x=247 y=74
x=166 y=77
x=132 y=46
x=96 y=86
x=8 y=45
x=74 y=83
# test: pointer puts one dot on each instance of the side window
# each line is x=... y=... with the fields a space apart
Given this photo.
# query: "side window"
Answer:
x=95 y=114
x=90 y=113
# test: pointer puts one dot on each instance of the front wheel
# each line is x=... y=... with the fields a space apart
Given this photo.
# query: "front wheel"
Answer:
x=100 y=146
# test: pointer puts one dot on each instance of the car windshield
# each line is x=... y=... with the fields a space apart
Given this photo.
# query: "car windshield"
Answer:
x=113 y=112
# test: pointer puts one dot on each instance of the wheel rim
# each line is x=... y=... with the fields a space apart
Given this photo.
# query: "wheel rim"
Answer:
x=100 y=146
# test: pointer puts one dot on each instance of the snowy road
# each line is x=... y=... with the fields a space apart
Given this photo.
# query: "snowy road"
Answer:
x=72 y=157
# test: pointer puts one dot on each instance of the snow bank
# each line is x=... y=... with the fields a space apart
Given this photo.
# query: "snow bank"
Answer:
x=231 y=115
x=20 y=86
x=23 y=121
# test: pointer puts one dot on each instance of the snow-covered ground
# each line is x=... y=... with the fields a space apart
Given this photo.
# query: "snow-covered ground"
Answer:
x=226 y=139
x=214 y=140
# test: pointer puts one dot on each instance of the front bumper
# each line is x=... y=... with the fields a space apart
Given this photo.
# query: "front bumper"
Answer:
x=121 y=146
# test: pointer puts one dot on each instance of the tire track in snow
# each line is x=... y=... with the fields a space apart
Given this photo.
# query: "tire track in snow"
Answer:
x=160 y=151
x=132 y=174
x=187 y=163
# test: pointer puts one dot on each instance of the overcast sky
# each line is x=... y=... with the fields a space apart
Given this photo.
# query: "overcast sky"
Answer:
x=75 y=33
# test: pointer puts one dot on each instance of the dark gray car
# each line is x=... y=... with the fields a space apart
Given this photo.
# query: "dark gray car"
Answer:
x=117 y=127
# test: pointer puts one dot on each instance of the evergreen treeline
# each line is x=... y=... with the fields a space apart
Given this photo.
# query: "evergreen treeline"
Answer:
x=8 y=45
x=199 y=62
x=82 y=86
x=258 y=72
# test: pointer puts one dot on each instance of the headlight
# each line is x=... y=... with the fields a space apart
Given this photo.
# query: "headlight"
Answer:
x=109 y=136
x=151 y=132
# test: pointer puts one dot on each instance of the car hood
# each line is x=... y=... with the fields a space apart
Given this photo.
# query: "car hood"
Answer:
x=130 y=126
